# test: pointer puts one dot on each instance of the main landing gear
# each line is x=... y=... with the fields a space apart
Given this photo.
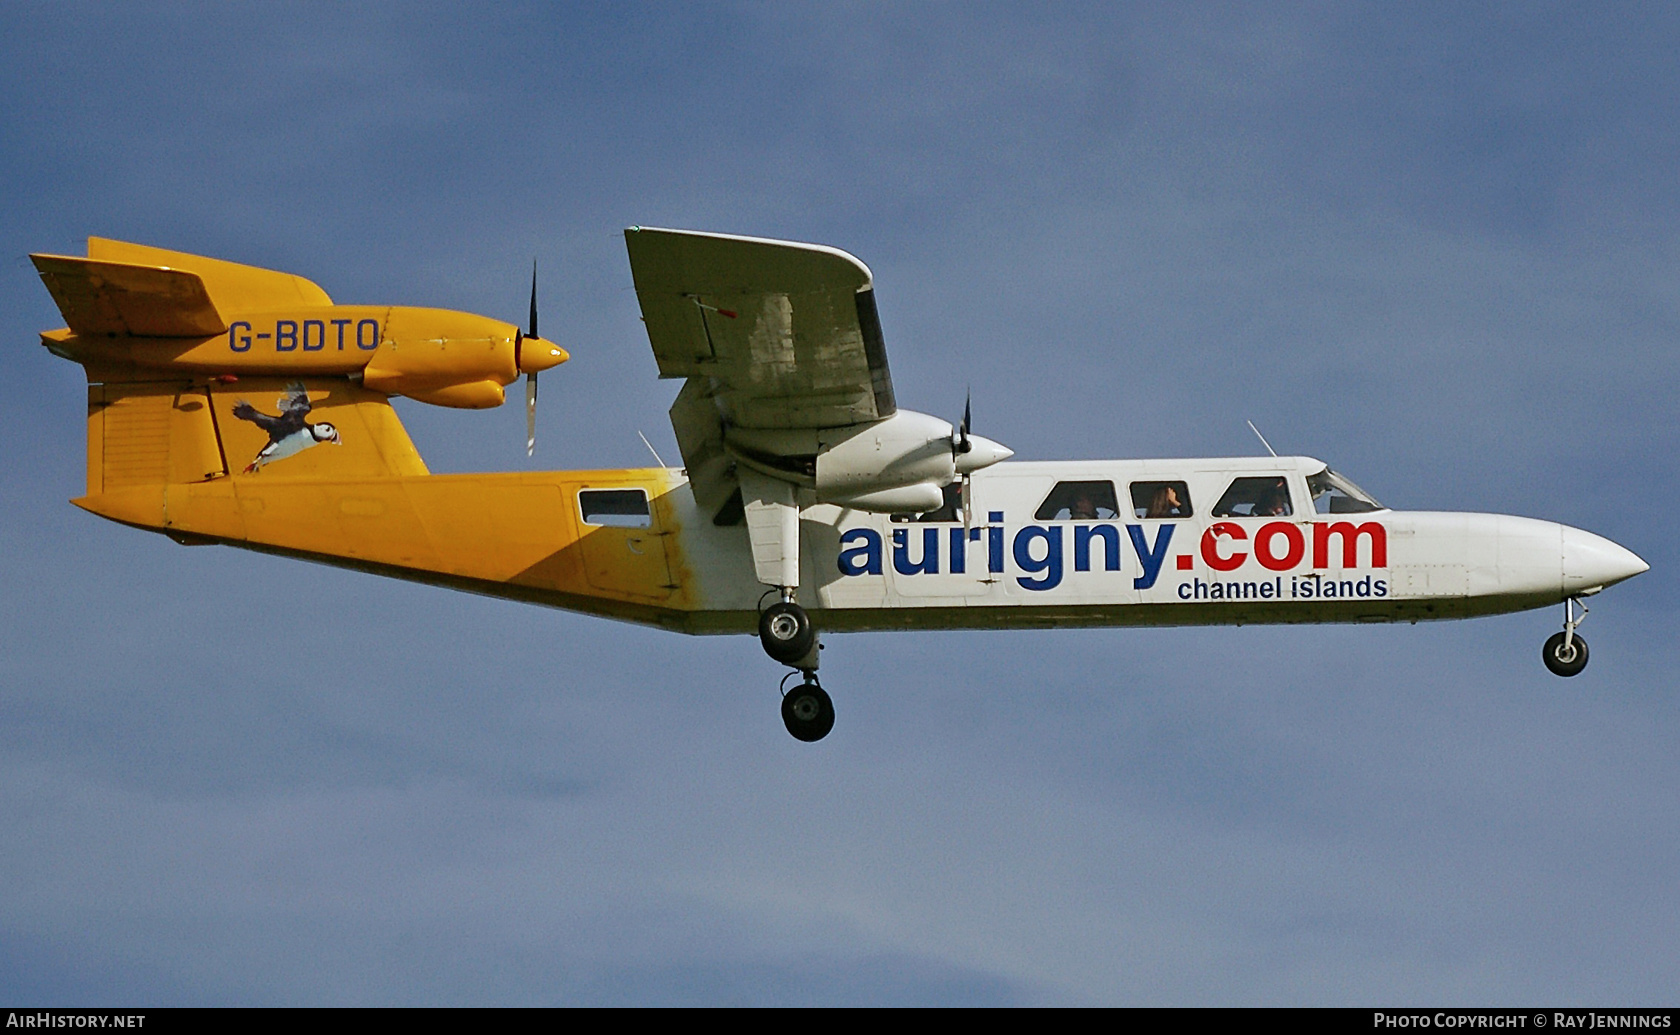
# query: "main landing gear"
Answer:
x=1565 y=653
x=787 y=635
x=785 y=630
x=807 y=711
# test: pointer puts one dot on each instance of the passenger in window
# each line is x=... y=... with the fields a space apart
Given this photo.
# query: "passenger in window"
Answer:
x=1165 y=503
x=1079 y=501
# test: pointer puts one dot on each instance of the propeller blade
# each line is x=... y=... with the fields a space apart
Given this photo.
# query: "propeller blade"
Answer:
x=967 y=506
x=963 y=444
x=531 y=378
x=533 y=331
x=530 y=414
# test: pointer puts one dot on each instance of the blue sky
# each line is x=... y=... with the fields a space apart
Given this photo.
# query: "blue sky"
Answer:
x=1433 y=244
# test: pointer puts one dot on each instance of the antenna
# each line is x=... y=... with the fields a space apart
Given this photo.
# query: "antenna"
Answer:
x=652 y=450
x=1251 y=427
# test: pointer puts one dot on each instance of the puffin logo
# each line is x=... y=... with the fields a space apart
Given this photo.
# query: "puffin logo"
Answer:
x=290 y=432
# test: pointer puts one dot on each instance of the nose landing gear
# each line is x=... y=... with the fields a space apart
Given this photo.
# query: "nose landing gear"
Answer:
x=1565 y=653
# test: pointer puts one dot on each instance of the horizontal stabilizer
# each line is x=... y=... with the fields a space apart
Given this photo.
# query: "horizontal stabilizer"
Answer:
x=105 y=298
x=233 y=286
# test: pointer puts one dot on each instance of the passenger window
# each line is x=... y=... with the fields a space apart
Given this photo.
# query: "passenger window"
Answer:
x=1160 y=500
x=1255 y=497
x=1079 y=501
x=621 y=508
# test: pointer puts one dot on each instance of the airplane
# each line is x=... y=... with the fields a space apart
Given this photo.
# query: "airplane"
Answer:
x=234 y=405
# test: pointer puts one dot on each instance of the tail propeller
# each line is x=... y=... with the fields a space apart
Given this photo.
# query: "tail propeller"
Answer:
x=531 y=378
x=531 y=354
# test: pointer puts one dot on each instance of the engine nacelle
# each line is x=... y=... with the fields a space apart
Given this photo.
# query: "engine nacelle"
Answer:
x=898 y=465
x=906 y=499
x=453 y=359
x=903 y=450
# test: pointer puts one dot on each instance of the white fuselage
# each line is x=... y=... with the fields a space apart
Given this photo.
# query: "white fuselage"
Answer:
x=1072 y=543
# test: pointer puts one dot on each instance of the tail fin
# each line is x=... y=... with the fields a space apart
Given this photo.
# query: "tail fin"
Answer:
x=145 y=437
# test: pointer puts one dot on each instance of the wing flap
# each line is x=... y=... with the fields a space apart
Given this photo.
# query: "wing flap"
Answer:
x=101 y=298
x=699 y=429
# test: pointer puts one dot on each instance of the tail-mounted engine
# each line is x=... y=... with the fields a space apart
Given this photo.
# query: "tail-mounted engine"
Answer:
x=136 y=313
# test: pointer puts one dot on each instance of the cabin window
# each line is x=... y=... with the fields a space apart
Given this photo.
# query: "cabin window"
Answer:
x=1160 y=500
x=1333 y=494
x=1267 y=496
x=1079 y=501
x=621 y=508
x=950 y=510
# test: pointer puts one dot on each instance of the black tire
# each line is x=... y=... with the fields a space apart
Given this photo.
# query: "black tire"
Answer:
x=1562 y=662
x=807 y=712
x=785 y=631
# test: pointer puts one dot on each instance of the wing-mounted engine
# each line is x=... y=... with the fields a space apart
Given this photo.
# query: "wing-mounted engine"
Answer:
x=787 y=401
x=893 y=466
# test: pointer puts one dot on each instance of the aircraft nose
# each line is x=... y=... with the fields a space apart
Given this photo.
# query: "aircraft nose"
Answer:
x=1591 y=562
x=982 y=452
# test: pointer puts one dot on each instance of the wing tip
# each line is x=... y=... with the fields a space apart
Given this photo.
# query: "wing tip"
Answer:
x=631 y=232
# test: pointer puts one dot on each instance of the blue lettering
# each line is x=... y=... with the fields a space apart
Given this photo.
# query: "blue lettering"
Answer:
x=1051 y=565
x=1082 y=536
x=284 y=331
x=1150 y=559
x=320 y=335
x=994 y=542
x=341 y=324
x=959 y=549
x=930 y=552
x=236 y=341
x=372 y=340
x=863 y=559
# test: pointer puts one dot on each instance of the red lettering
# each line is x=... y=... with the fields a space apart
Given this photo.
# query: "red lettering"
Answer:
x=1210 y=546
x=1350 y=543
x=1263 y=545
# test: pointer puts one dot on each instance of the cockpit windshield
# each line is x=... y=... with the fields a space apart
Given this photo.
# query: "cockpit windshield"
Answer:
x=1334 y=494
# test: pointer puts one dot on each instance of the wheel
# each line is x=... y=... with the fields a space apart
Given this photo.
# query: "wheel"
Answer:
x=1565 y=661
x=807 y=712
x=785 y=630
